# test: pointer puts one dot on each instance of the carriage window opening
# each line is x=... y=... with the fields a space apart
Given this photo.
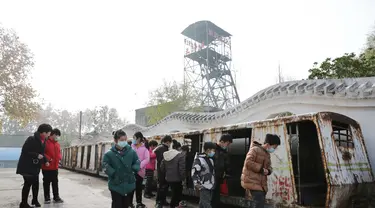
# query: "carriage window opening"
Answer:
x=237 y=153
x=195 y=143
x=342 y=134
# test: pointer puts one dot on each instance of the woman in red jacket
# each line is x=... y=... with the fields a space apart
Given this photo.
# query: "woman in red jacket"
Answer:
x=52 y=153
x=150 y=168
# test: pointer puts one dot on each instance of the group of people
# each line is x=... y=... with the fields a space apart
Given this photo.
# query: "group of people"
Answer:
x=128 y=164
x=40 y=152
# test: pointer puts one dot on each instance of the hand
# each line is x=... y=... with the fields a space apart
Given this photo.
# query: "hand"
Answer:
x=198 y=187
x=265 y=171
x=47 y=164
x=40 y=156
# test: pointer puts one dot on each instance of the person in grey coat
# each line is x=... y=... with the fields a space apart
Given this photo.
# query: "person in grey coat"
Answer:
x=173 y=165
x=203 y=174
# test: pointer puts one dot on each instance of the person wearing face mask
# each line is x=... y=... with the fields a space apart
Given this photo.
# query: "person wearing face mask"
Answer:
x=120 y=163
x=144 y=158
x=203 y=174
x=222 y=166
x=257 y=167
x=161 y=194
x=173 y=166
x=150 y=168
x=52 y=152
x=30 y=163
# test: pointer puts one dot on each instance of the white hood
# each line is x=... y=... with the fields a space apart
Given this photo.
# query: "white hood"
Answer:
x=170 y=154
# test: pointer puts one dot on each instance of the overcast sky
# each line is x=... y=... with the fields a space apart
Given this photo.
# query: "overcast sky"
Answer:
x=91 y=53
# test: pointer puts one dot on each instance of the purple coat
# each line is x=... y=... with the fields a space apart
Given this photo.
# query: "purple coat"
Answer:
x=144 y=158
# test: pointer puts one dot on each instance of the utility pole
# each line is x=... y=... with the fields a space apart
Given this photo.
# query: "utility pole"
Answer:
x=280 y=76
x=80 y=125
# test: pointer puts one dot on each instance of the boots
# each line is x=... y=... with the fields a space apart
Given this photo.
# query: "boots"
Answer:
x=25 y=205
x=35 y=203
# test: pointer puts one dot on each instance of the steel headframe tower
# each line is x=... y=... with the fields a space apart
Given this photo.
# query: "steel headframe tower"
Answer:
x=207 y=64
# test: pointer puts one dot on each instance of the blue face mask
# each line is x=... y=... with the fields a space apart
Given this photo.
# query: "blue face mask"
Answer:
x=134 y=141
x=271 y=150
x=211 y=154
x=122 y=144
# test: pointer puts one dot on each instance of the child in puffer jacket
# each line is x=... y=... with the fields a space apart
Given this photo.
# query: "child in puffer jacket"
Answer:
x=203 y=174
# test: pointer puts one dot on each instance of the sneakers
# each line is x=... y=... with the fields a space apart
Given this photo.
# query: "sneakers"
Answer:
x=25 y=205
x=47 y=201
x=140 y=205
x=158 y=205
x=58 y=200
x=161 y=204
x=182 y=204
x=35 y=203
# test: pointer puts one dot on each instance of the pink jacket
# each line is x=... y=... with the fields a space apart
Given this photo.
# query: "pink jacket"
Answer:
x=144 y=157
x=152 y=163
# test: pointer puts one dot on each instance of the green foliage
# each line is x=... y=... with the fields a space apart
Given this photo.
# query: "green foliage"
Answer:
x=346 y=66
x=17 y=97
x=169 y=98
x=349 y=65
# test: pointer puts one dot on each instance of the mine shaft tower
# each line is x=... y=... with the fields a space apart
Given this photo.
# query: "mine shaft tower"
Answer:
x=207 y=65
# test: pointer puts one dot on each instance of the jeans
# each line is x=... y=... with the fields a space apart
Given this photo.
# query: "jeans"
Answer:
x=259 y=199
x=50 y=176
x=205 y=197
x=138 y=190
x=119 y=201
x=176 y=188
x=149 y=181
x=30 y=182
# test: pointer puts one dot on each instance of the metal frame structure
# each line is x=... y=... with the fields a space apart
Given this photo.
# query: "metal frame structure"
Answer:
x=207 y=65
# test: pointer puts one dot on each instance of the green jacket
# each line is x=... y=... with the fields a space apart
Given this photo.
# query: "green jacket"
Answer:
x=120 y=167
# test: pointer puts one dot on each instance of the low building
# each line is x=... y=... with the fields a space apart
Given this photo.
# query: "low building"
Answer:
x=9 y=157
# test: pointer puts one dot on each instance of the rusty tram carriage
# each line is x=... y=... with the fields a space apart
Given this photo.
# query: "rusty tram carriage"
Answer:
x=322 y=160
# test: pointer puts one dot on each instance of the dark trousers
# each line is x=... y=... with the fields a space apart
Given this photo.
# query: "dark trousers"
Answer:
x=30 y=181
x=149 y=181
x=161 y=195
x=119 y=201
x=50 y=177
x=176 y=188
x=259 y=199
x=138 y=190
x=205 y=197
x=215 y=202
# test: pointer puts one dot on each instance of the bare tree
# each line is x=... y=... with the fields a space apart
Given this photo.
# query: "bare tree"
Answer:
x=168 y=98
x=17 y=97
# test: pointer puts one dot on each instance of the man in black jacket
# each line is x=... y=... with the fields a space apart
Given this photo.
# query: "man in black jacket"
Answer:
x=222 y=166
x=30 y=163
x=162 y=183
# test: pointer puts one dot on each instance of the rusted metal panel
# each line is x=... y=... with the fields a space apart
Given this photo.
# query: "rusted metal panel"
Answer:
x=70 y=156
x=79 y=156
x=92 y=158
x=84 y=161
x=209 y=138
x=330 y=154
x=73 y=158
x=359 y=195
x=345 y=165
x=280 y=182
